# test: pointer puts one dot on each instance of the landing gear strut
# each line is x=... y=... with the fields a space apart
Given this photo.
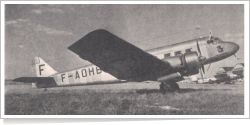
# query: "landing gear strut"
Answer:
x=45 y=89
x=168 y=87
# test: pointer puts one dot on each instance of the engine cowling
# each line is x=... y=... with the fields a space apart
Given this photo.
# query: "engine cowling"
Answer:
x=186 y=64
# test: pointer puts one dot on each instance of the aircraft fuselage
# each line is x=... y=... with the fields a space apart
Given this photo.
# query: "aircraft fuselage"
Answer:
x=213 y=50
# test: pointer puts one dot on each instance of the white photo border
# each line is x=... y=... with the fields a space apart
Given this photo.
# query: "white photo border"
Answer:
x=246 y=60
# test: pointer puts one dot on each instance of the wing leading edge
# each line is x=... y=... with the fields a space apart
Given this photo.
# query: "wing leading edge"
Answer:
x=119 y=58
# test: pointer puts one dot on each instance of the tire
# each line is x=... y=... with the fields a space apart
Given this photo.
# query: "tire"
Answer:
x=168 y=87
x=162 y=90
x=176 y=87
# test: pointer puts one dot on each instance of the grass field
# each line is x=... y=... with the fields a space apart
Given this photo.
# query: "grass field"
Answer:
x=136 y=99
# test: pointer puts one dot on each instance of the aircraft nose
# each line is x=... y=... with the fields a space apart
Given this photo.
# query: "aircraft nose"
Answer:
x=232 y=47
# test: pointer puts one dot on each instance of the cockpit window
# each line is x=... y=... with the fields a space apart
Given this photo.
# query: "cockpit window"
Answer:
x=215 y=42
x=217 y=39
x=220 y=49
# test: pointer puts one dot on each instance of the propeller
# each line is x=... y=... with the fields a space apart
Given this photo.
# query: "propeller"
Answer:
x=201 y=58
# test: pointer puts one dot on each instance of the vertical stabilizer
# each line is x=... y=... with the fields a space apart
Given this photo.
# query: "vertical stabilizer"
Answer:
x=41 y=68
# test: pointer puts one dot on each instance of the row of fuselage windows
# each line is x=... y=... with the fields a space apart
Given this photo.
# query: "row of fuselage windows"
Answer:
x=177 y=53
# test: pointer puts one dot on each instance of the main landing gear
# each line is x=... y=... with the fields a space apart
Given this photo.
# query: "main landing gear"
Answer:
x=168 y=87
x=45 y=89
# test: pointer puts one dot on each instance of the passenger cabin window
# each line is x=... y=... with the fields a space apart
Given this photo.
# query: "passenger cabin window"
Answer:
x=188 y=50
x=167 y=55
x=177 y=53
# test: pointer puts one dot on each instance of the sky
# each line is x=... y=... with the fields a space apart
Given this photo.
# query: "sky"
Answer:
x=47 y=30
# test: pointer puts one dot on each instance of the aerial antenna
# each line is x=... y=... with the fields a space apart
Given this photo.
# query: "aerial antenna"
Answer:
x=210 y=35
x=198 y=28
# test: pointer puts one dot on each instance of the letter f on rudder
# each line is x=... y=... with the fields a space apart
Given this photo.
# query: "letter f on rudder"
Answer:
x=42 y=69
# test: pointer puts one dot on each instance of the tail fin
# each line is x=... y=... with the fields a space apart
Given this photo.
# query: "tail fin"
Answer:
x=41 y=68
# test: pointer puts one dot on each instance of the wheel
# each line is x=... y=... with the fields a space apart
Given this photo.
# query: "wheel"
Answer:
x=168 y=87
x=162 y=88
x=176 y=87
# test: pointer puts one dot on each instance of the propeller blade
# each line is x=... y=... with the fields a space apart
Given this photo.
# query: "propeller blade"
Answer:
x=209 y=66
x=202 y=67
x=201 y=58
x=202 y=76
x=198 y=47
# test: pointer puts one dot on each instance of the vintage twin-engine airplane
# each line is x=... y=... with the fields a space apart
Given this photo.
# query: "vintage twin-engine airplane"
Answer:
x=116 y=60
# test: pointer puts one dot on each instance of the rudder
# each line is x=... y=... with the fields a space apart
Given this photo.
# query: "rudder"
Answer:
x=41 y=68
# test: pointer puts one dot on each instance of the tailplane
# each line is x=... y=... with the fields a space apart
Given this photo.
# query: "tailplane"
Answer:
x=41 y=68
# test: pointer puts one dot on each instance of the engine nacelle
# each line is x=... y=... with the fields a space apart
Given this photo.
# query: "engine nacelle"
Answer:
x=187 y=64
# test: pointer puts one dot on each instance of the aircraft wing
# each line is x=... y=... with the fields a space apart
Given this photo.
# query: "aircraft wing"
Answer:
x=119 y=58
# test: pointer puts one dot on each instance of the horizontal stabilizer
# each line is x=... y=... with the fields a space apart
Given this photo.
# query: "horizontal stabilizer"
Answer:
x=33 y=79
x=41 y=82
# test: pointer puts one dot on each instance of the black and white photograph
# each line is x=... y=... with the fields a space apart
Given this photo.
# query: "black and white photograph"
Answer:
x=166 y=60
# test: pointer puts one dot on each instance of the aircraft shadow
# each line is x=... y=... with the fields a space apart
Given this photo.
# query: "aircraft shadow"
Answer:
x=186 y=90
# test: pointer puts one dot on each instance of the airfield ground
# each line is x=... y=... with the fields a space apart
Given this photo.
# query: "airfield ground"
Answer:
x=132 y=98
